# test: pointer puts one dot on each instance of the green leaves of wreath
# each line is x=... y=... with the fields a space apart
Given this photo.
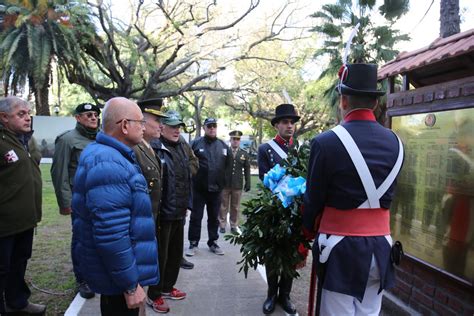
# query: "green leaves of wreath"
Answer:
x=271 y=233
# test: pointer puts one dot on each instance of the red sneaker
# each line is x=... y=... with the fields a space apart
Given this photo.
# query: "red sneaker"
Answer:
x=159 y=305
x=175 y=294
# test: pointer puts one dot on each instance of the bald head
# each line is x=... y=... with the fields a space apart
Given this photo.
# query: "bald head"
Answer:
x=122 y=119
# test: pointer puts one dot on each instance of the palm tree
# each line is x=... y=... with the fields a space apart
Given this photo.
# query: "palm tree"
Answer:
x=373 y=43
x=449 y=18
x=34 y=34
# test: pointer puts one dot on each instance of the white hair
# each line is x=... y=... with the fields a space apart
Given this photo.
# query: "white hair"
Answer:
x=8 y=104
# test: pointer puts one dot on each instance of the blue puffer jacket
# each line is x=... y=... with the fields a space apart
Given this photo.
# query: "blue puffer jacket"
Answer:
x=113 y=226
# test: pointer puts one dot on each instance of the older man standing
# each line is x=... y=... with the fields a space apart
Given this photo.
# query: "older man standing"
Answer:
x=67 y=149
x=20 y=205
x=113 y=222
x=176 y=158
x=214 y=156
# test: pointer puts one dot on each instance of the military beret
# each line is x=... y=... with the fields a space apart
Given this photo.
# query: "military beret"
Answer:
x=86 y=107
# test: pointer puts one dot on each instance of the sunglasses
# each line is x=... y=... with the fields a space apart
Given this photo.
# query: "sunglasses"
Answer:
x=212 y=125
x=91 y=114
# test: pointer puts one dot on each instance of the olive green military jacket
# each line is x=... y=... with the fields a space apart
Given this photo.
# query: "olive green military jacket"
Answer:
x=151 y=169
x=237 y=171
x=20 y=185
x=67 y=150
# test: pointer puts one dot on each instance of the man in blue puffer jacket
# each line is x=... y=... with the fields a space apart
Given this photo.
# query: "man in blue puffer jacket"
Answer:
x=112 y=216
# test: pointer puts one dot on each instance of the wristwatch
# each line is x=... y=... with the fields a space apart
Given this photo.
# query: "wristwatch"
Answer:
x=131 y=291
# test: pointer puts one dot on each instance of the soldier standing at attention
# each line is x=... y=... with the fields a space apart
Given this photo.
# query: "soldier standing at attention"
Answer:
x=270 y=154
x=347 y=200
x=236 y=171
x=68 y=147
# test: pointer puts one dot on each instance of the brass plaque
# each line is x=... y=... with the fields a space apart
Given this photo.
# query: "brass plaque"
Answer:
x=433 y=211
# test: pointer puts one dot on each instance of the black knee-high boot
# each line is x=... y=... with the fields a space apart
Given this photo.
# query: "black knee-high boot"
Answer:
x=272 y=281
x=284 y=297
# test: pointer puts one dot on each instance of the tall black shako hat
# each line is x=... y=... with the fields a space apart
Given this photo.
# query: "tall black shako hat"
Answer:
x=358 y=79
x=86 y=107
x=152 y=106
x=285 y=111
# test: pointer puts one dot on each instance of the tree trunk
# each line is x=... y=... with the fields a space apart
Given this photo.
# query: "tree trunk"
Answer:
x=449 y=18
x=41 y=98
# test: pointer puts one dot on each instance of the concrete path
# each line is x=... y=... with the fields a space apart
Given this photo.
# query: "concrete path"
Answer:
x=213 y=287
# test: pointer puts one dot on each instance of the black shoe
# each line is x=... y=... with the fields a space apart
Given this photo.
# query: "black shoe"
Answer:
x=85 y=291
x=286 y=304
x=269 y=304
x=185 y=264
x=222 y=230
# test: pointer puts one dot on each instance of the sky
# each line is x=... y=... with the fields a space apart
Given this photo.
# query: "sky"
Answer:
x=426 y=31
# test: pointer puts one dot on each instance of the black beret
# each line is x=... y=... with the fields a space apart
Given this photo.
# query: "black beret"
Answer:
x=86 y=107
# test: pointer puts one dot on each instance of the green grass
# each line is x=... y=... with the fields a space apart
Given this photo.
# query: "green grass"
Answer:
x=50 y=268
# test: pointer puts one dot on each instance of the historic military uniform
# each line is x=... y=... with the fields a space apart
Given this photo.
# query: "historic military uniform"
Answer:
x=270 y=154
x=235 y=173
x=350 y=185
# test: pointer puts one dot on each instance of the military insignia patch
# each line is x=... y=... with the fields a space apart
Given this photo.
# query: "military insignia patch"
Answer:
x=10 y=156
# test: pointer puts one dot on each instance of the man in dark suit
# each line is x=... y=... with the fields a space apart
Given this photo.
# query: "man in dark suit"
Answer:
x=350 y=185
x=270 y=154
x=235 y=172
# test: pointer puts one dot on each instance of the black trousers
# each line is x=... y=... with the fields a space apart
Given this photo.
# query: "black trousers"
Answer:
x=170 y=243
x=115 y=305
x=15 y=250
x=75 y=262
x=212 y=200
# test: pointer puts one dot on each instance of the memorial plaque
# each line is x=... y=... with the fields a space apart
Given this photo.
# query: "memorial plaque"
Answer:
x=433 y=211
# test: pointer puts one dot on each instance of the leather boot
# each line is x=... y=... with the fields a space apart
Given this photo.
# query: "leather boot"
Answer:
x=284 y=297
x=272 y=281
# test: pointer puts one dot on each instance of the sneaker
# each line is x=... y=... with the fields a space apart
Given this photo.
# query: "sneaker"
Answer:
x=216 y=249
x=31 y=308
x=175 y=294
x=159 y=305
x=222 y=230
x=85 y=291
x=185 y=264
x=191 y=251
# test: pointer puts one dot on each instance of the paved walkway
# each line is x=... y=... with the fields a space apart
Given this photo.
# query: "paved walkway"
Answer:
x=213 y=287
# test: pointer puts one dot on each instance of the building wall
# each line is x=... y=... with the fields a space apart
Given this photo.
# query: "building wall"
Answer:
x=423 y=287
x=432 y=292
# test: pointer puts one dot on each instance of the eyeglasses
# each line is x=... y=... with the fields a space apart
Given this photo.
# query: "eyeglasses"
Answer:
x=211 y=125
x=142 y=122
x=90 y=114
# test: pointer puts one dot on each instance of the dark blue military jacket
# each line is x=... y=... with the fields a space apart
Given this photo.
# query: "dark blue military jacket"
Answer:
x=333 y=181
x=267 y=157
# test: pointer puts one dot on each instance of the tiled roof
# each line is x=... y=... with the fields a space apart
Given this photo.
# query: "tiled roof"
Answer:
x=440 y=49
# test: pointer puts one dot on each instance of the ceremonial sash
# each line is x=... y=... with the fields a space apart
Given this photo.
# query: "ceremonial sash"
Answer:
x=280 y=152
x=366 y=220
